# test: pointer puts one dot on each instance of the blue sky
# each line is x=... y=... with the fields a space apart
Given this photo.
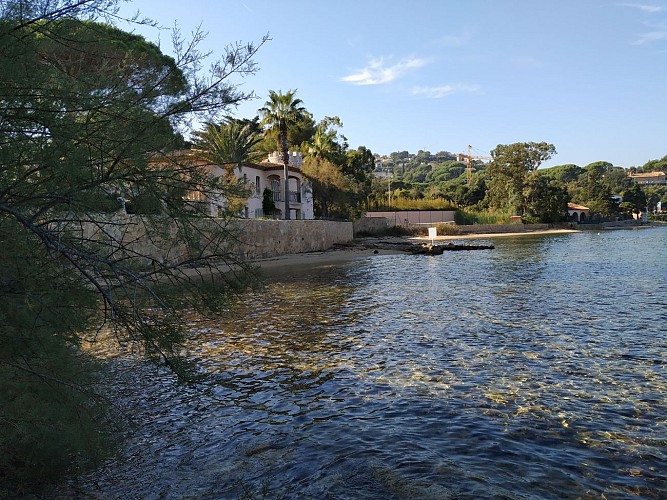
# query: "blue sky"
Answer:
x=589 y=76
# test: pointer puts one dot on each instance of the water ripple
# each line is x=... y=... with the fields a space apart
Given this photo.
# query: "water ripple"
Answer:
x=532 y=371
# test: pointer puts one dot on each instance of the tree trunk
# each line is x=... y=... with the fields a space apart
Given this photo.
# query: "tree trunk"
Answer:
x=283 y=143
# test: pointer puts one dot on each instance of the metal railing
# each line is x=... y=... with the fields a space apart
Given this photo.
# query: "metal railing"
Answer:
x=294 y=196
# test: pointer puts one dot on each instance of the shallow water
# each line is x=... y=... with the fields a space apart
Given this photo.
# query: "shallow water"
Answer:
x=535 y=370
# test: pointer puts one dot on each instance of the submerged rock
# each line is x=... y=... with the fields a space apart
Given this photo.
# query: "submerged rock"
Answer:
x=402 y=245
x=427 y=249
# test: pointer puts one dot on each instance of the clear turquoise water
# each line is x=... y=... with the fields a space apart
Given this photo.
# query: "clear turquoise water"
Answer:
x=535 y=370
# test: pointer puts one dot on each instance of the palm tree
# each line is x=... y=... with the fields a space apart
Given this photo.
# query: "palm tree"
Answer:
x=229 y=145
x=279 y=112
x=325 y=141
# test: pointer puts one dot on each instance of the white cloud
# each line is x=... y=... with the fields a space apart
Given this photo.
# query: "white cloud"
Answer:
x=455 y=40
x=445 y=90
x=651 y=36
x=378 y=72
x=648 y=8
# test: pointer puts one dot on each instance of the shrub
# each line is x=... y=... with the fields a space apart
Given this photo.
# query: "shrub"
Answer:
x=397 y=231
x=447 y=230
x=399 y=204
x=470 y=217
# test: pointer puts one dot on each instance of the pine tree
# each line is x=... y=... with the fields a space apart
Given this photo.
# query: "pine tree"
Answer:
x=91 y=118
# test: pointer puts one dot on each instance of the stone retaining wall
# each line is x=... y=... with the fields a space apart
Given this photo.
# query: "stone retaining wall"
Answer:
x=370 y=225
x=257 y=239
x=262 y=239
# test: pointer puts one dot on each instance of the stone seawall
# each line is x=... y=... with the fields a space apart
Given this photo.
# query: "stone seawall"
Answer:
x=370 y=225
x=261 y=239
x=137 y=238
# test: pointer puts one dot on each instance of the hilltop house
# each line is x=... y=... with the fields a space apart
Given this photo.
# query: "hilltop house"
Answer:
x=258 y=177
x=649 y=178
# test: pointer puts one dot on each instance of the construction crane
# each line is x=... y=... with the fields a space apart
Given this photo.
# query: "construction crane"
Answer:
x=468 y=159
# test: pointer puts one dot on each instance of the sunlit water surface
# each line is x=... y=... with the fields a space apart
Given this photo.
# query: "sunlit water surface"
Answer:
x=535 y=370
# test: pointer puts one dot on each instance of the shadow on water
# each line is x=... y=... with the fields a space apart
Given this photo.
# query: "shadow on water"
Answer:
x=529 y=371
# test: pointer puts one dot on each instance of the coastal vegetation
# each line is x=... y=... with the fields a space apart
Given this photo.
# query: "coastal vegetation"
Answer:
x=95 y=121
x=279 y=112
x=512 y=181
x=90 y=117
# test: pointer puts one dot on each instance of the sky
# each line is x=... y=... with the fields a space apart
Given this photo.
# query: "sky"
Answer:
x=588 y=76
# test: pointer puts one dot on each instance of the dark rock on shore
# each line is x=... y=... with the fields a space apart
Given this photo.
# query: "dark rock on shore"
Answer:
x=440 y=249
x=402 y=245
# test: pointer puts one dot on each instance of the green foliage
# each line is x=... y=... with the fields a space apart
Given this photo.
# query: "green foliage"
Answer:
x=279 y=113
x=333 y=192
x=447 y=229
x=545 y=201
x=400 y=203
x=342 y=179
x=49 y=423
x=635 y=199
x=144 y=204
x=229 y=144
x=508 y=170
x=325 y=143
x=470 y=217
x=90 y=114
x=655 y=165
x=268 y=205
x=563 y=173
x=654 y=194
x=662 y=218
x=396 y=231
x=419 y=176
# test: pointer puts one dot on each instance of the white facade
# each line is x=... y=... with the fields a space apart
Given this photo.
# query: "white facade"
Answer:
x=260 y=176
x=650 y=178
x=295 y=159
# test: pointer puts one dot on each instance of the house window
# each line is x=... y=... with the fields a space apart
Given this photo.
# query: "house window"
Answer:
x=275 y=189
x=257 y=186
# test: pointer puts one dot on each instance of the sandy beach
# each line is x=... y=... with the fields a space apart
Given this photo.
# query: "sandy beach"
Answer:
x=362 y=249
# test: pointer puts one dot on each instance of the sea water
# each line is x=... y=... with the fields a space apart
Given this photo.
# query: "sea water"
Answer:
x=533 y=370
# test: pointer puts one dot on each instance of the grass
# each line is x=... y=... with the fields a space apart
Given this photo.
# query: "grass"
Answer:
x=470 y=217
x=400 y=204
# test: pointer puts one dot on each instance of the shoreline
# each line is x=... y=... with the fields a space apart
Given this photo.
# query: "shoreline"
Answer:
x=372 y=247
x=363 y=248
x=472 y=236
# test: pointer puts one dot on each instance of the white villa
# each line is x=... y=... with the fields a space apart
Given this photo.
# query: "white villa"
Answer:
x=259 y=176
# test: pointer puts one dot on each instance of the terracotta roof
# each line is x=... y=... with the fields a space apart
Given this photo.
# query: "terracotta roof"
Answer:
x=193 y=154
x=648 y=175
x=574 y=206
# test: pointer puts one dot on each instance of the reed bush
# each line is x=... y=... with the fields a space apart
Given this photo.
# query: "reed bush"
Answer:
x=399 y=204
x=470 y=217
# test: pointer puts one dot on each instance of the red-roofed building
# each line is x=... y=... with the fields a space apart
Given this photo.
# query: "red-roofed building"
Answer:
x=649 y=178
x=578 y=213
x=258 y=177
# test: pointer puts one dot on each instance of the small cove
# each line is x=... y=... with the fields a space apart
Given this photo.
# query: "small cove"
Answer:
x=534 y=370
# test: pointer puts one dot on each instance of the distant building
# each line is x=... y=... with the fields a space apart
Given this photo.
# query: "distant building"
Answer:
x=258 y=177
x=649 y=178
x=578 y=213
